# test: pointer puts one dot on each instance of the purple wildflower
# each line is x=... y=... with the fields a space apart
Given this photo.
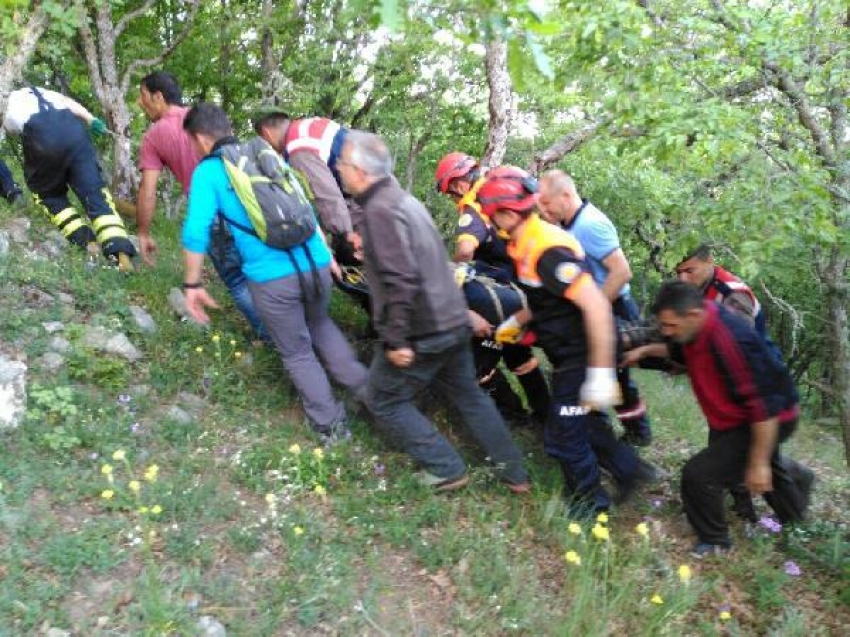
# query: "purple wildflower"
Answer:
x=791 y=568
x=770 y=524
x=657 y=503
x=124 y=398
x=135 y=428
x=379 y=469
x=94 y=455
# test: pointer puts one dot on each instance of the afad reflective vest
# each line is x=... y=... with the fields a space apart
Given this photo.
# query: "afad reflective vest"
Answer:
x=315 y=134
x=723 y=283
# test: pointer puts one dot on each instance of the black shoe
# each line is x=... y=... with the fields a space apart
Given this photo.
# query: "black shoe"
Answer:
x=637 y=438
x=704 y=549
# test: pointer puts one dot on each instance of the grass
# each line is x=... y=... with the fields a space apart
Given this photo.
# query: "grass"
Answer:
x=257 y=529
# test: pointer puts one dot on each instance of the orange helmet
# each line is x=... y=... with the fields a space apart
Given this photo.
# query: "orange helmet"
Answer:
x=452 y=166
x=507 y=188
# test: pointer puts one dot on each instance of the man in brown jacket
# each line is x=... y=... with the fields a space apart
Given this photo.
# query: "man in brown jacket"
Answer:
x=422 y=324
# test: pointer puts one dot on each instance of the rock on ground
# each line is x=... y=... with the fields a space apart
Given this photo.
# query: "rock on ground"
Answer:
x=13 y=392
x=104 y=340
x=144 y=321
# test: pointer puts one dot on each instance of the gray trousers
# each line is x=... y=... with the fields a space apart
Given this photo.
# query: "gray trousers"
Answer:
x=444 y=363
x=298 y=322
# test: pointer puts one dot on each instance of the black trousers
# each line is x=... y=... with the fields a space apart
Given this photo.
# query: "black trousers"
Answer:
x=58 y=154
x=722 y=465
x=632 y=412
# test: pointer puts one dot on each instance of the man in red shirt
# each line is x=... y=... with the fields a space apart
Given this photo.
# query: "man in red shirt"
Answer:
x=166 y=145
x=750 y=403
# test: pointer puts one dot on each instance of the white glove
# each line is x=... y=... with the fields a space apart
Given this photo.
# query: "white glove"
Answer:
x=600 y=389
x=509 y=332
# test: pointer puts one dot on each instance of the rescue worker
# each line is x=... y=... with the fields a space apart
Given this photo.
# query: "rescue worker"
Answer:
x=476 y=240
x=574 y=326
x=560 y=203
x=58 y=154
x=166 y=144
x=750 y=403
x=423 y=326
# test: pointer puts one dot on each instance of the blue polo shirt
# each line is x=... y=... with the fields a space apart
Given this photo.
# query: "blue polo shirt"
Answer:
x=598 y=236
x=211 y=194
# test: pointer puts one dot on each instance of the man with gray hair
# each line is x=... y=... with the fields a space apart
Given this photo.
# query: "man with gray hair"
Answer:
x=422 y=324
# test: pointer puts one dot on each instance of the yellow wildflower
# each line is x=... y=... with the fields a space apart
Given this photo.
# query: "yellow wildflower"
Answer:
x=657 y=599
x=107 y=495
x=574 y=528
x=119 y=454
x=685 y=573
x=573 y=558
x=295 y=449
x=298 y=530
x=152 y=534
x=156 y=509
x=151 y=473
x=143 y=510
x=318 y=454
x=232 y=342
x=199 y=349
x=271 y=498
x=602 y=518
x=642 y=529
x=725 y=615
x=237 y=354
x=134 y=486
x=216 y=338
x=319 y=490
x=106 y=469
x=600 y=532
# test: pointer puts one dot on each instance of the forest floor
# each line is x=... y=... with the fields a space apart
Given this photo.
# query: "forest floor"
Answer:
x=248 y=522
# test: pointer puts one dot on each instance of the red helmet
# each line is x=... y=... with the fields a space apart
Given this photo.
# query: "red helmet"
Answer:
x=507 y=188
x=452 y=166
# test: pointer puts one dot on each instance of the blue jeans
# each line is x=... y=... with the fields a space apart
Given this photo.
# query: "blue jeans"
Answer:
x=228 y=264
x=443 y=362
x=8 y=187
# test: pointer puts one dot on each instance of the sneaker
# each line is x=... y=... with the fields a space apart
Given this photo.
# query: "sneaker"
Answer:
x=705 y=549
x=439 y=484
x=334 y=433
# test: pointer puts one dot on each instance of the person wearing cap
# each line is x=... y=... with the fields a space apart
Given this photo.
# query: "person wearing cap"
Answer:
x=167 y=145
x=560 y=203
x=459 y=176
x=422 y=324
x=58 y=155
x=573 y=324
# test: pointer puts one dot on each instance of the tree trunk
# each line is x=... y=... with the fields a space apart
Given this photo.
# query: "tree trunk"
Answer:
x=112 y=87
x=27 y=40
x=500 y=103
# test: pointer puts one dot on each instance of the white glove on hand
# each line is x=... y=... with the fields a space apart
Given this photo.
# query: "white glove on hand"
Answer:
x=600 y=389
x=509 y=332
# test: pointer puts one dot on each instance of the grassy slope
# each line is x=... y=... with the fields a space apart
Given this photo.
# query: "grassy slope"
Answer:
x=273 y=541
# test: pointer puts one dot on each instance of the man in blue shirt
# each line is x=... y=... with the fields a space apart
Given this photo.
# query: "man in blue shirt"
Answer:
x=560 y=203
x=290 y=288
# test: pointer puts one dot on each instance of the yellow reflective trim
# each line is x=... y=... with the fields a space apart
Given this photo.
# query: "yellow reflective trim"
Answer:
x=64 y=215
x=106 y=220
x=72 y=227
x=111 y=233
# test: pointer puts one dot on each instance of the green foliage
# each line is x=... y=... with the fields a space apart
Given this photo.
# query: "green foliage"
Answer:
x=103 y=370
x=55 y=410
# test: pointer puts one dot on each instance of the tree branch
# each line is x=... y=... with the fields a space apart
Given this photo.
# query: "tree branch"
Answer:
x=563 y=146
x=127 y=18
x=91 y=55
x=805 y=114
x=137 y=65
x=12 y=66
